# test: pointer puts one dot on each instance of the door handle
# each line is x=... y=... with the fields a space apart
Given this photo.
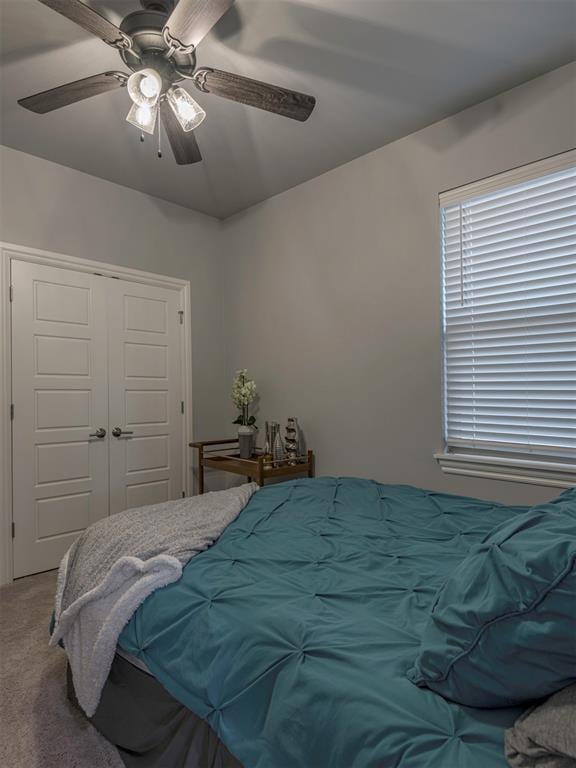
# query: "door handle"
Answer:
x=118 y=432
x=100 y=433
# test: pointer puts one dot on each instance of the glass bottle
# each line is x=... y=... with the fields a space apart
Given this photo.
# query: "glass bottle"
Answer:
x=277 y=444
x=268 y=459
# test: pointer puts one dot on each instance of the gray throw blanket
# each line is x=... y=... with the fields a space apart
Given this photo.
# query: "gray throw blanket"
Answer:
x=545 y=736
x=120 y=560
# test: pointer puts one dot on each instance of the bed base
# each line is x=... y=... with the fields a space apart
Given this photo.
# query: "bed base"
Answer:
x=149 y=727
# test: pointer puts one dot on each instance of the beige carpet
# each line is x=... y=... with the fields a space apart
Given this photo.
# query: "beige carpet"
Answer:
x=38 y=726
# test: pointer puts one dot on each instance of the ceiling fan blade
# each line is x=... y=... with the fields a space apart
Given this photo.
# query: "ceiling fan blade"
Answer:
x=191 y=21
x=79 y=90
x=297 y=106
x=184 y=145
x=91 y=21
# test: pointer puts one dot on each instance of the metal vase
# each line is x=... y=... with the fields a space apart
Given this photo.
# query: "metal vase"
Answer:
x=292 y=441
x=246 y=441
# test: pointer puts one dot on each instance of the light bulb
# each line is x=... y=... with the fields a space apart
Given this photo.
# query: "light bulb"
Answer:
x=188 y=112
x=143 y=114
x=144 y=87
x=149 y=87
x=143 y=117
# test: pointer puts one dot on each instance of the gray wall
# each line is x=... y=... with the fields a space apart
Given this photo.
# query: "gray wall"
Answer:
x=47 y=206
x=332 y=289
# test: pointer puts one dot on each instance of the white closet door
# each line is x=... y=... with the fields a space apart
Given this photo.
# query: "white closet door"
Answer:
x=145 y=394
x=60 y=471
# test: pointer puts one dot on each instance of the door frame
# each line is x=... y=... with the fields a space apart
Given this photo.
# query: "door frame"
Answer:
x=10 y=252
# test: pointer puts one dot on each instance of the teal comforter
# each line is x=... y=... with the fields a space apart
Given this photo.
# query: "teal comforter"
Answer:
x=292 y=635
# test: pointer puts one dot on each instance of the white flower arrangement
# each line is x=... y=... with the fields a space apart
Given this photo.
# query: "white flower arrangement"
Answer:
x=243 y=394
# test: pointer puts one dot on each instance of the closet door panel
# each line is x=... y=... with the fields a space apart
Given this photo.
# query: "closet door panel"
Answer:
x=145 y=394
x=59 y=382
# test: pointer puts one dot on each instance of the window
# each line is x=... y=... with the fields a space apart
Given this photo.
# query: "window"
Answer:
x=509 y=324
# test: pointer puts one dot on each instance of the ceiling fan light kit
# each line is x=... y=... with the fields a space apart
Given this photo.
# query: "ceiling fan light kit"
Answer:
x=143 y=117
x=144 y=87
x=158 y=44
x=188 y=112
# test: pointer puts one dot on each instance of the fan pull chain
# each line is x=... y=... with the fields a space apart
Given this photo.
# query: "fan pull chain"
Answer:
x=142 y=138
x=159 y=137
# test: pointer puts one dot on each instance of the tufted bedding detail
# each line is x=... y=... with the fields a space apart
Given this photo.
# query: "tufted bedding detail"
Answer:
x=293 y=634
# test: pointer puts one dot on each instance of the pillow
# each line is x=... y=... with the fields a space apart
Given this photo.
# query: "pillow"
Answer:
x=545 y=736
x=502 y=629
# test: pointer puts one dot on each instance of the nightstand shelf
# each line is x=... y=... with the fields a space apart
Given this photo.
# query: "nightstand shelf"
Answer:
x=223 y=455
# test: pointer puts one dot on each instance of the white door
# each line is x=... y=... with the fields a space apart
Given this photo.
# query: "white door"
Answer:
x=93 y=357
x=59 y=383
x=145 y=395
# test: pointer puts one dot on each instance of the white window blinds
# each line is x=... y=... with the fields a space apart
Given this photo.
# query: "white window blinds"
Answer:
x=509 y=312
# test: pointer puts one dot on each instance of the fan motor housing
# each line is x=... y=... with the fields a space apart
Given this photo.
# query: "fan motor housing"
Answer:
x=145 y=28
x=166 y=6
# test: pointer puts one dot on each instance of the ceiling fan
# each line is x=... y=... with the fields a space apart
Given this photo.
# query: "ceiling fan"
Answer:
x=158 y=44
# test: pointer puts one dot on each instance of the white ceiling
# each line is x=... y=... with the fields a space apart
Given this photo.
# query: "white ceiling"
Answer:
x=380 y=69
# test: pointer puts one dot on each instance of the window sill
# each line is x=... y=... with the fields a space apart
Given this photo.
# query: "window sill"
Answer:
x=514 y=470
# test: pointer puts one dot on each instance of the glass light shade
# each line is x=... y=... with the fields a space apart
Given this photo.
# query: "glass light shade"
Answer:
x=143 y=117
x=144 y=87
x=188 y=112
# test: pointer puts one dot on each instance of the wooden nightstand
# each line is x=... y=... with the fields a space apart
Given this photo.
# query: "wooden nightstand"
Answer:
x=223 y=455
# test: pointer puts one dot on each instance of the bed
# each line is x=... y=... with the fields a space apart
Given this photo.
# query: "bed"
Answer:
x=286 y=644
